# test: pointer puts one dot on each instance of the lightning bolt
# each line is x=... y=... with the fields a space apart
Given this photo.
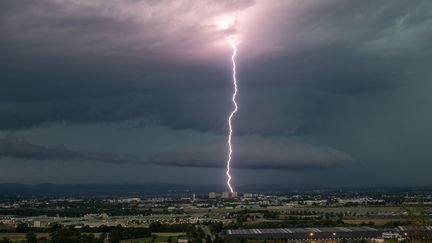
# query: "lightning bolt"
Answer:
x=234 y=95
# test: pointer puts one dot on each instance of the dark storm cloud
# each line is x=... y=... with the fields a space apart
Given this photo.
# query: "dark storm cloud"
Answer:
x=335 y=80
x=255 y=153
x=84 y=62
x=78 y=62
x=342 y=47
x=80 y=110
x=14 y=147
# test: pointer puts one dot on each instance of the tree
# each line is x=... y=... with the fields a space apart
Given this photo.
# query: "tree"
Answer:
x=88 y=238
x=218 y=240
x=208 y=239
x=65 y=235
x=102 y=238
x=86 y=228
x=31 y=237
x=115 y=237
x=42 y=240
x=156 y=227
x=22 y=228
x=55 y=227
x=5 y=240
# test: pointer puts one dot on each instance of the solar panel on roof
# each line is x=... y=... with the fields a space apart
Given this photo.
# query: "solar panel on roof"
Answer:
x=286 y=230
x=370 y=228
x=280 y=230
x=316 y=230
x=325 y=229
x=343 y=229
x=310 y=229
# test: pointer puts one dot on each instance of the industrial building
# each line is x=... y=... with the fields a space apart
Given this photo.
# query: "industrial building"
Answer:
x=328 y=233
x=425 y=232
x=224 y=195
x=305 y=233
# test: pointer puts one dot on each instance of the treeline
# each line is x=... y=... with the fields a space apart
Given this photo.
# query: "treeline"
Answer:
x=154 y=227
x=74 y=212
x=112 y=234
x=189 y=229
x=62 y=234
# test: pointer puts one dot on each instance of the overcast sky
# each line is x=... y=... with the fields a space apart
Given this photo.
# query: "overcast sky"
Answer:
x=331 y=92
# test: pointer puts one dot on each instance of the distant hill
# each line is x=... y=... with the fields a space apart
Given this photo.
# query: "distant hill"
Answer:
x=99 y=190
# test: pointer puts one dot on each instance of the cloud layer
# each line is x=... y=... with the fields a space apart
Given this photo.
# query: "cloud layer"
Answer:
x=257 y=153
x=253 y=153
x=14 y=147
x=88 y=62
x=321 y=83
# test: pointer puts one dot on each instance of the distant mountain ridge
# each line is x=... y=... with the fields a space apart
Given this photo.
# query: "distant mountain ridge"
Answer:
x=99 y=190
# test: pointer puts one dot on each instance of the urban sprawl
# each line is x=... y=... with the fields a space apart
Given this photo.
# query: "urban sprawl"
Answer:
x=318 y=216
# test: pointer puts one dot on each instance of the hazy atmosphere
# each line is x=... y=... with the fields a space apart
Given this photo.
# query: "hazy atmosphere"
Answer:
x=331 y=93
